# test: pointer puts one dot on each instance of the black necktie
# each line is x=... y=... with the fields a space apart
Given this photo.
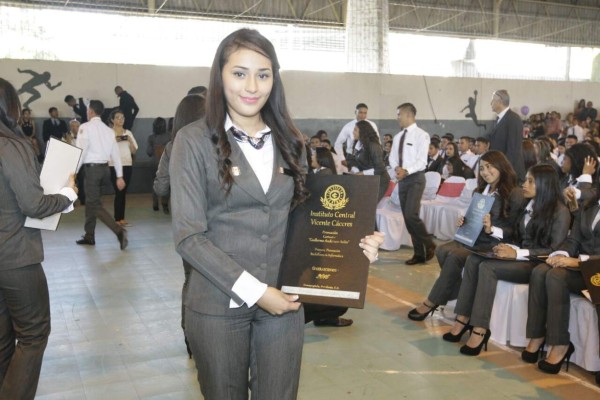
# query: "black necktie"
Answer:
x=242 y=137
x=401 y=148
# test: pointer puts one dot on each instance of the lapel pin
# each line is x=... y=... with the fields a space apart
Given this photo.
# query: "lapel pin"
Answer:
x=235 y=171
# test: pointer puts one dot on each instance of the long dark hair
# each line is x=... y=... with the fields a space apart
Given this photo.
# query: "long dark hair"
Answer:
x=577 y=154
x=507 y=181
x=325 y=159
x=159 y=126
x=274 y=113
x=10 y=107
x=548 y=197
x=455 y=148
x=366 y=133
x=191 y=108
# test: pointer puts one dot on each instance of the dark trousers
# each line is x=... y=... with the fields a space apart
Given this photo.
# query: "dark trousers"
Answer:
x=410 y=191
x=120 y=195
x=478 y=288
x=95 y=178
x=80 y=180
x=24 y=317
x=317 y=311
x=225 y=348
x=451 y=257
x=187 y=270
x=549 y=303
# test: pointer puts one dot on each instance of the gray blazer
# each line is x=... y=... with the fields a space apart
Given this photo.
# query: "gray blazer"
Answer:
x=222 y=235
x=582 y=239
x=162 y=180
x=22 y=196
x=559 y=230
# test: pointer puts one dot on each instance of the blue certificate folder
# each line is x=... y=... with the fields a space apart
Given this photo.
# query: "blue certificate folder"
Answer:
x=470 y=230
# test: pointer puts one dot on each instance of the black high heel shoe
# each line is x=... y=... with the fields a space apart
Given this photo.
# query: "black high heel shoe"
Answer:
x=417 y=316
x=532 y=357
x=474 y=351
x=548 y=368
x=449 y=337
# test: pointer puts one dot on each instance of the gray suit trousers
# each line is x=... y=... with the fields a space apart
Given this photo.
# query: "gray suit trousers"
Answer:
x=451 y=257
x=478 y=288
x=225 y=348
x=95 y=178
x=549 y=303
x=410 y=191
x=24 y=317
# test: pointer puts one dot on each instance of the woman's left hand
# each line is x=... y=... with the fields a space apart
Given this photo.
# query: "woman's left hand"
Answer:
x=505 y=251
x=370 y=245
x=563 y=262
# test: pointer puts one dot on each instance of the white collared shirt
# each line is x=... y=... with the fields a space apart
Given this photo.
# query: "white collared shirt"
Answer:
x=469 y=158
x=247 y=287
x=99 y=145
x=346 y=136
x=414 y=155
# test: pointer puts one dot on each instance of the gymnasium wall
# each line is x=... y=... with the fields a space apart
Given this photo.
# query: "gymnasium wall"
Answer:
x=316 y=100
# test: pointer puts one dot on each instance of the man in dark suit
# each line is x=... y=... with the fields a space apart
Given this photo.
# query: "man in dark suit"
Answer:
x=78 y=106
x=54 y=126
x=435 y=162
x=507 y=133
x=128 y=106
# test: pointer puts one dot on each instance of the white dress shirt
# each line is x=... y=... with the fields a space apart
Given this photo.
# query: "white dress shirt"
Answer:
x=99 y=145
x=247 y=287
x=469 y=158
x=414 y=155
x=346 y=136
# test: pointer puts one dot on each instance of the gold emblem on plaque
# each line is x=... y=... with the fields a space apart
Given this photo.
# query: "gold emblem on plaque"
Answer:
x=595 y=279
x=334 y=198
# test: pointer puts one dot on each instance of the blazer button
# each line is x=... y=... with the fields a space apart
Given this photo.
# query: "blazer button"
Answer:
x=266 y=209
x=264 y=238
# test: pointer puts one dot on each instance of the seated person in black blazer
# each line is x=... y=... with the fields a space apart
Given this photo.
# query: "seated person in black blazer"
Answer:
x=435 y=162
x=580 y=179
x=540 y=230
x=453 y=165
x=496 y=178
x=321 y=162
x=368 y=160
x=549 y=289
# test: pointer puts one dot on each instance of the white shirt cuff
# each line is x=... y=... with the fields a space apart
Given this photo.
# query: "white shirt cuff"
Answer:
x=498 y=233
x=584 y=257
x=522 y=254
x=249 y=289
x=577 y=193
x=71 y=195
x=369 y=171
x=355 y=170
x=584 y=178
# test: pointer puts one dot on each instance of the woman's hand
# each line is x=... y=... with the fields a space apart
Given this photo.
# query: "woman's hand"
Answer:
x=72 y=184
x=370 y=245
x=505 y=251
x=487 y=223
x=275 y=302
x=460 y=221
x=359 y=173
x=561 y=261
x=589 y=165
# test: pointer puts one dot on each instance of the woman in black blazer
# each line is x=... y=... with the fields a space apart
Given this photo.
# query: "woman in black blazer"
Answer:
x=541 y=228
x=549 y=289
x=496 y=178
x=368 y=160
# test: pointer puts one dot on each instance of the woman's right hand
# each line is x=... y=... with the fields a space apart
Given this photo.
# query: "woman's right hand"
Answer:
x=589 y=166
x=72 y=184
x=487 y=223
x=460 y=221
x=275 y=302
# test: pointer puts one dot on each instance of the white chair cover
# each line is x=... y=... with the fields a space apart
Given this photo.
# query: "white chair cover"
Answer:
x=432 y=184
x=390 y=220
x=440 y=222
x=583 y=329
x=509 y=315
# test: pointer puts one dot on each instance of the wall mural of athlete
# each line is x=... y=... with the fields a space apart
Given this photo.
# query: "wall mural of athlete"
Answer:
x=471 y=106
x=36 y=80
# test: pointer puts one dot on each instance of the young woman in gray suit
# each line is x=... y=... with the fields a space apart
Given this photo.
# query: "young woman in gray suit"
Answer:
x=235 y=176
x=541 y=228
x=496 y=178
x=24 y=299
x=550 y=286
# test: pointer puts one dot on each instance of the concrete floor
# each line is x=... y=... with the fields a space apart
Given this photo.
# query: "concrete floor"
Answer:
x=116 y=331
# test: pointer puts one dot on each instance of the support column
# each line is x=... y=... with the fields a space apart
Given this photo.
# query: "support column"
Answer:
x=367 y=26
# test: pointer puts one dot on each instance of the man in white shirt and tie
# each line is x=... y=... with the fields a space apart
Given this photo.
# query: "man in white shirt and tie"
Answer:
x=345 y=136
x=408 y=159
x=99 y=146
x=465 y=153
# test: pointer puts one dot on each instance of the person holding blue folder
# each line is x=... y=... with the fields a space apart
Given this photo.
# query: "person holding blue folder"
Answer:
x=496 y=178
